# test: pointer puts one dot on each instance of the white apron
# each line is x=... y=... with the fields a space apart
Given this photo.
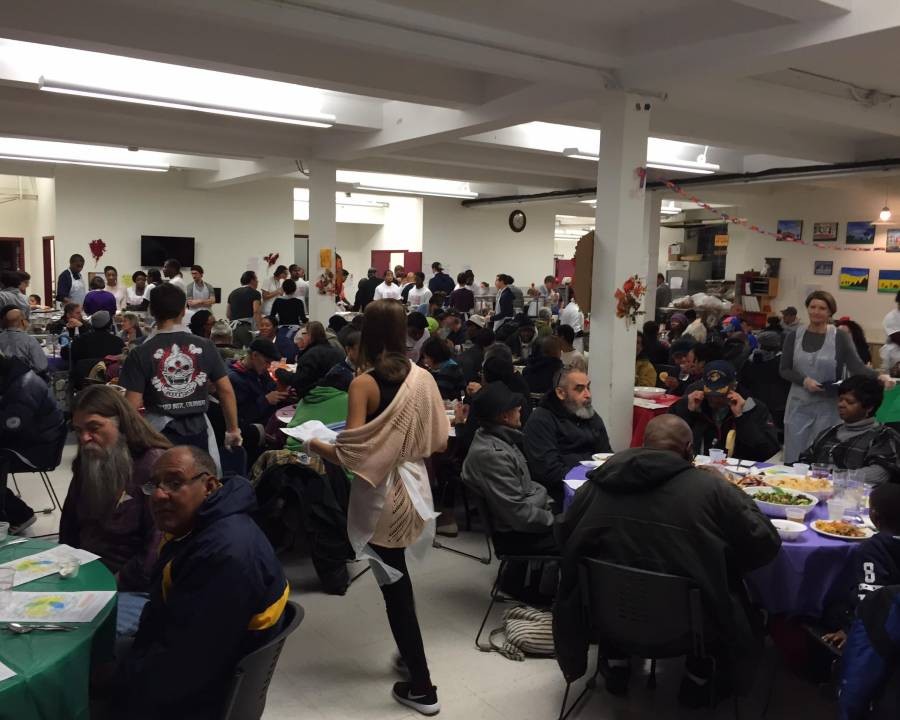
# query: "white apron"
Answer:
x=78 y=290
x=808 y=414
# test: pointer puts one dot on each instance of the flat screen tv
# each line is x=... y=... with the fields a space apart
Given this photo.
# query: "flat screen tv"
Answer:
x=156 y=249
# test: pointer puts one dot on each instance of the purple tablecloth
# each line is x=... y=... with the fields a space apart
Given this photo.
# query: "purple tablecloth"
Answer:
x=799 y=579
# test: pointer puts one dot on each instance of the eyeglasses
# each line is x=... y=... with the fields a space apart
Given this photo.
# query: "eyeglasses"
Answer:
x=169 y=486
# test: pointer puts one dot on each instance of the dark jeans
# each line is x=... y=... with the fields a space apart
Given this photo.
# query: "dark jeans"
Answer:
x=198 y=440
x=401 y=612
x=522 y=543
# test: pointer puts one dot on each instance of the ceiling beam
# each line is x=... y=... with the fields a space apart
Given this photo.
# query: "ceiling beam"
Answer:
x=235 y=172
x=801 y=9
x=407 y=125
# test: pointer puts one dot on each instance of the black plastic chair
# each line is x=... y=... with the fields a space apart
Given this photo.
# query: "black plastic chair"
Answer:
x=505 y=562
x=640 y=613
x=246 y=698
x=19 y=464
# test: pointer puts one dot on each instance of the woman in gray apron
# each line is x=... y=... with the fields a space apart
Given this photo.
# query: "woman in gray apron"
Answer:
x=813 y=359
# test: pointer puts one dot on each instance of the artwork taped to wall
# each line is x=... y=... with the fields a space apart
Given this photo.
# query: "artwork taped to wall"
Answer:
x=825 y=231
x=861 y=232
x=823 y=267
x=889 y=281
x=790 y=229
x=853 y=278
x=892 y=243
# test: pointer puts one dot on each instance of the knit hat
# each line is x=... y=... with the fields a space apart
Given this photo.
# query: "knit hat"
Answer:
x=769 y=340
x=100 y=320
x=266 y=348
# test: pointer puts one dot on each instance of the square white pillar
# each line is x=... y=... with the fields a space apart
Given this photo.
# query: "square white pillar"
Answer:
x=620 y=251
x=322 y=234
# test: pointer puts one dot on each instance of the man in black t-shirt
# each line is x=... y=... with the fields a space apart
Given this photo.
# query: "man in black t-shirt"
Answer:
x=170 y=373
x=244 y=308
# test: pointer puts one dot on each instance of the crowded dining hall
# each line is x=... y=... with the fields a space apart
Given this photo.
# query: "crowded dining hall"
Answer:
x=397 y=359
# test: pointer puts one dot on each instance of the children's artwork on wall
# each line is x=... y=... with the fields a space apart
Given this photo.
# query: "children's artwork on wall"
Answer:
x=889 y=281
x=860 y=233
x=892 y=244
x=790 y=229
x=823 y=267
x=853 y=278
x=825 y=231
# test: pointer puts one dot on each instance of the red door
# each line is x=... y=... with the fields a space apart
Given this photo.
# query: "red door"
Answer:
x=381 y=261
x=49 y=270
x=412 y=261
x=564 y=268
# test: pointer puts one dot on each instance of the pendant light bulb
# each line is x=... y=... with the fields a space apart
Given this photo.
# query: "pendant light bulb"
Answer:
x=885 y=214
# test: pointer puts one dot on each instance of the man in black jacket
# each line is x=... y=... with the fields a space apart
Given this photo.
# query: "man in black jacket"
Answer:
x=650 y=508
x=563 y=430
x=718 y=410
x=365 y=291
x=217 y=593
x=440 y=281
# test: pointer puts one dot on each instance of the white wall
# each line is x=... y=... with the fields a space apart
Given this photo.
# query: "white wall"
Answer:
x=230 y=225
x=851 y=202
x=480 y=238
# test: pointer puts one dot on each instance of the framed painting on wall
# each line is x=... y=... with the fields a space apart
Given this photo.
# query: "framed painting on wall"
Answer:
x=789 y=230
x=854 y=279
x=825 y=231
x=892 y=243
x=860 y=233
x=823 y=267
x=889 y=281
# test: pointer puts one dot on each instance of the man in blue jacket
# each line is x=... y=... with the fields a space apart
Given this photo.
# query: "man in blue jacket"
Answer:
x=218 y=592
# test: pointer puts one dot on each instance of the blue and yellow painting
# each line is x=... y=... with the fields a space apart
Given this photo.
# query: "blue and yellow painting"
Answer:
x=854 y=279
x=888 y=281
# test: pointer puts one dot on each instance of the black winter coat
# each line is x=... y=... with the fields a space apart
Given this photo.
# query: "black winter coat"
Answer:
x=313 y=364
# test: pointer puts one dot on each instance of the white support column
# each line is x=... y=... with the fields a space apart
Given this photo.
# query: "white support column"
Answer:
x=322 y=233
x=652 y=205
x=620 y=251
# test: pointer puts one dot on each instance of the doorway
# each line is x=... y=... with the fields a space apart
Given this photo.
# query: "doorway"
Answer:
x=383 y=260
x=49 y=269
x=12 y=253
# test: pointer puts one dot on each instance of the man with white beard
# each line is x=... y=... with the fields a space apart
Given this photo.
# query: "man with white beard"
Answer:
x=563 y=430
x=105 y=511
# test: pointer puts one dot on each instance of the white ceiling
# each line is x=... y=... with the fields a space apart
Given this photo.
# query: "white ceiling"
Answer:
x=437 y=87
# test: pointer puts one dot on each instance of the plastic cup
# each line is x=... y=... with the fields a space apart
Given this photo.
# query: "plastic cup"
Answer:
x=717 y=456
x=801 y=468
x=795 y=513
x=820 y=470
x=69 y=566
x=7 y=576
x=837 y=506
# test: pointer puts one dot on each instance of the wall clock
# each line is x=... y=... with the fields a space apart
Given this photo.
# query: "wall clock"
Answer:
x=517 y=221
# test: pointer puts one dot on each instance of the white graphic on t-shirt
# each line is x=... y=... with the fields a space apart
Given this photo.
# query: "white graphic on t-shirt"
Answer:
x=177 y=374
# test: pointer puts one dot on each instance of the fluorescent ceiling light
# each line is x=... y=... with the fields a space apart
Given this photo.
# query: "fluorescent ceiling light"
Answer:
x=87 y=163
x=690 y=166
x=321 y=120
x=410 y=191
x=577 y=154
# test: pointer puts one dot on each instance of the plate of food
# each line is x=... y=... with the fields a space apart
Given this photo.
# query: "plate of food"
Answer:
x=649 y=393
x=742 y=479
x=775 y=501
x=841 y=530
x=822 y=488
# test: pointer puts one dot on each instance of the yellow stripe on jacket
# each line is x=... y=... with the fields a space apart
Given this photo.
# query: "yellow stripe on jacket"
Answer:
x=272 y=614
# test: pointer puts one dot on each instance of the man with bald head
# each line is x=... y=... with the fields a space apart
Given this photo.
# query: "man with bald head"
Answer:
x=16 y=342
x=651 y=509
x=217 y=592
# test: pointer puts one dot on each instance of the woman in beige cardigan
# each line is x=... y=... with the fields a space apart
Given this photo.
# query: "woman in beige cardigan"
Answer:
x=395 y=419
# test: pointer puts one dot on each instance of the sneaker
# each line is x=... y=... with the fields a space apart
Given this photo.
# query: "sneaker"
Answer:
x=425 y=703
x=16 y=529
x=399 y=665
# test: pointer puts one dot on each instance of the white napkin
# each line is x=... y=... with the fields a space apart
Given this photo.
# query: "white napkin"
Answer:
x=311 y=429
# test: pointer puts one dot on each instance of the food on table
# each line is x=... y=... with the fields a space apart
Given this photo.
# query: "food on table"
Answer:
x=664 y=376
x=744 y=480
x=800 y=482
x=840 y=527
x=777 y=496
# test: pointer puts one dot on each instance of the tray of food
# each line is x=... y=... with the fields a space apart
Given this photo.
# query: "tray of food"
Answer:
x=841 y=530
x=822 y=488
x=775 y=501
x=741 y=478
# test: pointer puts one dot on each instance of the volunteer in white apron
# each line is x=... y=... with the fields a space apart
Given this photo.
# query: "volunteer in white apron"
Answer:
x=71 y=287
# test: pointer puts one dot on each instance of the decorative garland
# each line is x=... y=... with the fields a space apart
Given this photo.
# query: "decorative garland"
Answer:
x=628 y=300
x=98 y=247
x=756 y=228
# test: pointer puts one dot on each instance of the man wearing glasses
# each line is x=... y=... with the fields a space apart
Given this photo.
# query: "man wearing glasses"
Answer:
x=217 y=593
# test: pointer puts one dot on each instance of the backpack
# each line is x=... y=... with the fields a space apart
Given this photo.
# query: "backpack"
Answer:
x=528 y=631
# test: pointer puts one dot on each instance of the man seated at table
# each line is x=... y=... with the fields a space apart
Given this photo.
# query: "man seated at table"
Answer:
x=496 y=469
x=860 y=442
x=525 y=342
x=722 y=418
x=544 y=365
x=16 y=342
x=91 y=347
x=651 y=509
x=563 y=430
x=105 y=511
x=256 y=394
x=217 y=593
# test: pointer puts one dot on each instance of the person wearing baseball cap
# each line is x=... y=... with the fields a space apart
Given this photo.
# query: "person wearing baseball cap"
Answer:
x=257 y=394
x=721 y=418
x=496 y=470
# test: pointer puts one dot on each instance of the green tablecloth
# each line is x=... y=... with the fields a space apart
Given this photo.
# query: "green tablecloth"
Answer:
x=53 y=668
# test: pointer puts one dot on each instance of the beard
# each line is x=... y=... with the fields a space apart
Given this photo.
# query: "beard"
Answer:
x=104 y=473
x=585 y=412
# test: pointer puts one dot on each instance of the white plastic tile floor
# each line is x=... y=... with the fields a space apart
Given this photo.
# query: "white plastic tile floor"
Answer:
x=337 y=666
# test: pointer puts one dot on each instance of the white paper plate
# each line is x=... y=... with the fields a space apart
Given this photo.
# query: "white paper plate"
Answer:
x=814 y=528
